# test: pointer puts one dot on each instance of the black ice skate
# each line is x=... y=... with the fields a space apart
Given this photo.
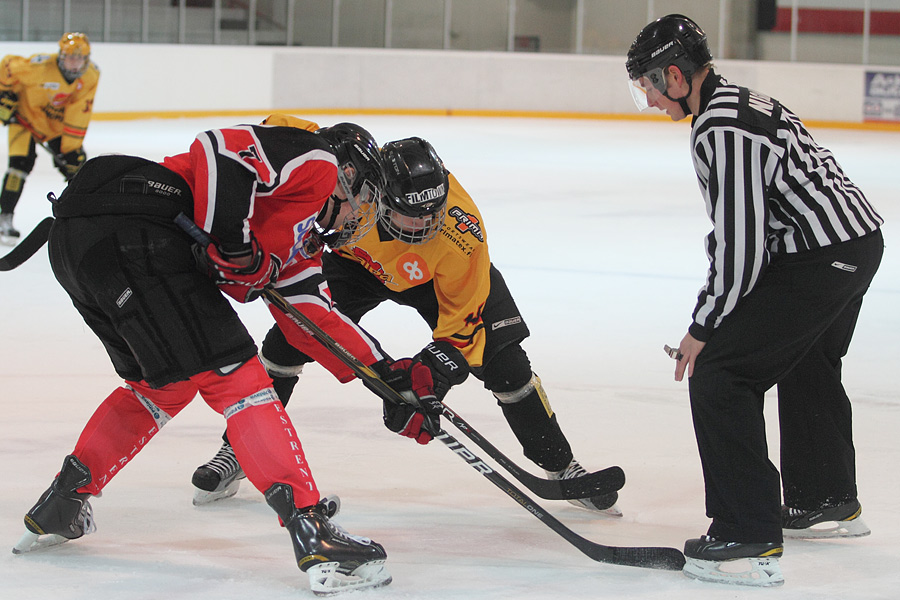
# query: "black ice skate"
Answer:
x=333 y=559
x=835 y=522
x=604 y=503
x=717 y=561
x=61 y=514
x=219 y=478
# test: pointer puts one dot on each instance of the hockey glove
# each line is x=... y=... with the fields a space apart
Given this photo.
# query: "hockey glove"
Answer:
x=236 y=277
x=419 y=417
x=447 y=365
x=69 y=163
x=9 y=101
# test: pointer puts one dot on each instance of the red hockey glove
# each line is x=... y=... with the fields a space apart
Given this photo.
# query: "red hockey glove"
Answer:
x=419 y=418
x=447 y=365
x=243 y=282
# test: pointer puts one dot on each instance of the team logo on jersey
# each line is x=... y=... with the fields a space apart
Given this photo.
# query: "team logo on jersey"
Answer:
x=372 y=266
x=466 y=223
x=305 y=244
x=414 y=268
x=51 y=85
x=59 y=99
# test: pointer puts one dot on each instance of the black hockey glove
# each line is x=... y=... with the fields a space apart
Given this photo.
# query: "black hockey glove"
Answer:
x=419 y=417
x=243 y=283
x=69 y=163
x=447 y=365
x=9 y=101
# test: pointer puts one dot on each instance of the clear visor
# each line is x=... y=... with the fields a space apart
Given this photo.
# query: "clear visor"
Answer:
x=651 y=84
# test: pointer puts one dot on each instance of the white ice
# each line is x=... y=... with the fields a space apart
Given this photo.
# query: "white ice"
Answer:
x=597 y=227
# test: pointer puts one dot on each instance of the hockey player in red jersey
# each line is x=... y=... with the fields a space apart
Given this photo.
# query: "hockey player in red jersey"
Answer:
x=270 y=198
x=429 y=251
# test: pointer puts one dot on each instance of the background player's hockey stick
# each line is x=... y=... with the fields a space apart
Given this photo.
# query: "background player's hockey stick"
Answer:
x=26 y=248
x=592 y=484
x=39 y=139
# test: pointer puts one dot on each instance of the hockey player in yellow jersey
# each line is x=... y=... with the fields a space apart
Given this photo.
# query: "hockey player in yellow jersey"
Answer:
x=45 y=99
x=429 y=251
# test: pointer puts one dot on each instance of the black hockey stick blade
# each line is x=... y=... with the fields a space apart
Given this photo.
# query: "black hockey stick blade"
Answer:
x=26 y=248
x=592 y=484
x=650 y=557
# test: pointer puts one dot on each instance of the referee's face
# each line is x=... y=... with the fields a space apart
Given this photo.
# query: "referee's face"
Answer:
x=676 y=87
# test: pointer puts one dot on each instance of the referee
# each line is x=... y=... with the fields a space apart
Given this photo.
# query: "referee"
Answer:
x=793 y=249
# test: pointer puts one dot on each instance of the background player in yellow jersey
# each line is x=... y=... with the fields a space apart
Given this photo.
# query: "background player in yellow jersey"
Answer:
x=429 y=251
x=46 y=99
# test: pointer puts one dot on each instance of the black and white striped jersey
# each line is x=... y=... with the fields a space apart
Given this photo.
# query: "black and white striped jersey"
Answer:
x=769 y=188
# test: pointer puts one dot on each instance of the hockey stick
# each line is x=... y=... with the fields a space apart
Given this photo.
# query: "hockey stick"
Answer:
x=26 y=248
x=591 y=484
x=39 y=139
x=647 y=557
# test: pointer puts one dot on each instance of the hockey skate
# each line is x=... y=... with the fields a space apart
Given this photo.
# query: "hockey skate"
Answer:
x=334 y=560
x=219 y=478
x=9 y=236
x=61 y=514
x=604 y=504
x=836 y=522
x=736 y=563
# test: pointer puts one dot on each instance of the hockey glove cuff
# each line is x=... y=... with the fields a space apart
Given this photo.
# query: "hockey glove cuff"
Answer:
x=242 y=280
x=419 y=417
x=447 y=364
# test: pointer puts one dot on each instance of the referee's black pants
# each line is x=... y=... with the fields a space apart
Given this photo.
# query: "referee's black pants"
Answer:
x=791 y=331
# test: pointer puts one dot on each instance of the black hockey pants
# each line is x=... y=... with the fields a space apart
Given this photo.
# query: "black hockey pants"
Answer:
x=791 y=331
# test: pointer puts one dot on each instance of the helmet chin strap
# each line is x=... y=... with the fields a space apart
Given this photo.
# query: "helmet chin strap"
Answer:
x=682 y=102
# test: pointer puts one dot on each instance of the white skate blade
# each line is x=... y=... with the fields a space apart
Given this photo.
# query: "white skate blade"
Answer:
x=755 y=572
x=830 y=529
x=202 y=497
x=324 y=579
x=32 y=542
x=613 y=511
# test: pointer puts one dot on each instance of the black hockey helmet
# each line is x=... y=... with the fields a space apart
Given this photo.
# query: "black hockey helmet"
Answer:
x=670 y=40
x=361 y=176
x=415 y=198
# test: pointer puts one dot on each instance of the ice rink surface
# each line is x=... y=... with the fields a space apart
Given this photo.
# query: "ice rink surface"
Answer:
x=598 y=228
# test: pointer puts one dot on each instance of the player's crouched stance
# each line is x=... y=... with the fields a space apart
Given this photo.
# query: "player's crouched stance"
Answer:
x=172 y=335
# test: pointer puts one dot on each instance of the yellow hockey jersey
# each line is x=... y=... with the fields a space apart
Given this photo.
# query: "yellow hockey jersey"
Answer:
x=456 y=260
x=49 y=106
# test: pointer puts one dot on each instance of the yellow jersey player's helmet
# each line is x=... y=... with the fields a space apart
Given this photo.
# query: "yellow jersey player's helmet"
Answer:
x=415 y=199
x=74 y=55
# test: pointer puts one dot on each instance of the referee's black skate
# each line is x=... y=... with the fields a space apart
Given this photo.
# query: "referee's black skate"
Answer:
x=61 y=514
x=219 y=478
x=736 y=563
x=834 y=522
x=333 y=559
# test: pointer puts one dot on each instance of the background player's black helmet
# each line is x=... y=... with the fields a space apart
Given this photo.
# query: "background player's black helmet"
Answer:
x=415 y=198
x=670 y=40
x=361 y=175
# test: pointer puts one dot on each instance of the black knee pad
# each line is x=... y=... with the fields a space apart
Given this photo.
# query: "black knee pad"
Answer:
x=508 y=370
x=23 y=163
x=279 y=357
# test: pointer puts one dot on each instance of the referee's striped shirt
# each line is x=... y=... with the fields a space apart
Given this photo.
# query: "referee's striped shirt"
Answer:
x=769 y=189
